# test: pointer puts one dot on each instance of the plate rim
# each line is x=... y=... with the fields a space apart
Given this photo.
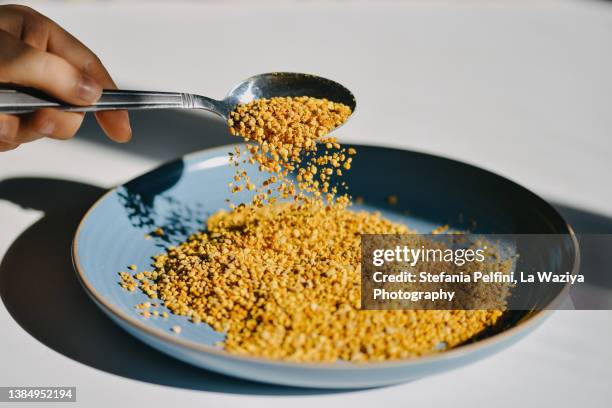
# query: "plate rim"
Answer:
x=531 y=320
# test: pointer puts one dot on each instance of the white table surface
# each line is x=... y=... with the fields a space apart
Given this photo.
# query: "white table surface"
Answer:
x=523 y=88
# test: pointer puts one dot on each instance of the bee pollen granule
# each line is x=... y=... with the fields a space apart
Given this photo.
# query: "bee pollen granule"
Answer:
x=279 y=297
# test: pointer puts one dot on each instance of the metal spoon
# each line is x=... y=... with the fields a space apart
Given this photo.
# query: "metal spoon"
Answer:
x=24 y=100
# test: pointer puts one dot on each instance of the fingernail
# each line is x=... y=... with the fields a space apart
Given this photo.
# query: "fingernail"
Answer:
x=88 y=89
x=47 y=128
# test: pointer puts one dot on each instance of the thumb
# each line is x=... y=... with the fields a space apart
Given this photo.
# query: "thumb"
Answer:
x=24 y=65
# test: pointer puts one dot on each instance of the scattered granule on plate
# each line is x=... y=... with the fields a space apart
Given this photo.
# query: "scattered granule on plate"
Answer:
x=287 y=135
x=283 y=282
x=127 y=281
x=176 y=329
x=441 y=229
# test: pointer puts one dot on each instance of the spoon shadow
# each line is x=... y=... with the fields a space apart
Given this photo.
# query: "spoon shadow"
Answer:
x=164 y=135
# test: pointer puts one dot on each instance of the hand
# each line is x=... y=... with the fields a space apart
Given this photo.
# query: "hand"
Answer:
x=36 y=52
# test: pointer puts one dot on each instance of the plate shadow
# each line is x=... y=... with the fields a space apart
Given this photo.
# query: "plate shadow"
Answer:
x=40 y=289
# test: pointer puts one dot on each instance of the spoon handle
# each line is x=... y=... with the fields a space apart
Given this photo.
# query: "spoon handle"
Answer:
x=25 y=100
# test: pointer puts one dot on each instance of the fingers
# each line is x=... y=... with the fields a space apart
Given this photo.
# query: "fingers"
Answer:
x=24 y=65
x=40 y=32
x=5 y=147
x=51 y=123
x=84 y=75
x=9 y=127
x=116 y=125
x=43 y=123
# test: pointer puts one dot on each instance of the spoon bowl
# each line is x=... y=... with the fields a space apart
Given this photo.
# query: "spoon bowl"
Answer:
x=282 y=84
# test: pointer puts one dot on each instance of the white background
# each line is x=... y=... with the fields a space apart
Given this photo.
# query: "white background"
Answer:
x=522 y=88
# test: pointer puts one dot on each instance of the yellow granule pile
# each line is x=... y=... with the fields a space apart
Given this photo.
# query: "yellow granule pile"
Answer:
x=288 y=125
x=283 y=282
x=285 y=133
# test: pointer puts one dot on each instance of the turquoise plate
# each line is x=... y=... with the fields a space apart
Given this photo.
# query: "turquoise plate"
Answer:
x=179 y=196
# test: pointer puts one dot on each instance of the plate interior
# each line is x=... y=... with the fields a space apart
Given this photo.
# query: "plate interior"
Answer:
x=179 y=196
